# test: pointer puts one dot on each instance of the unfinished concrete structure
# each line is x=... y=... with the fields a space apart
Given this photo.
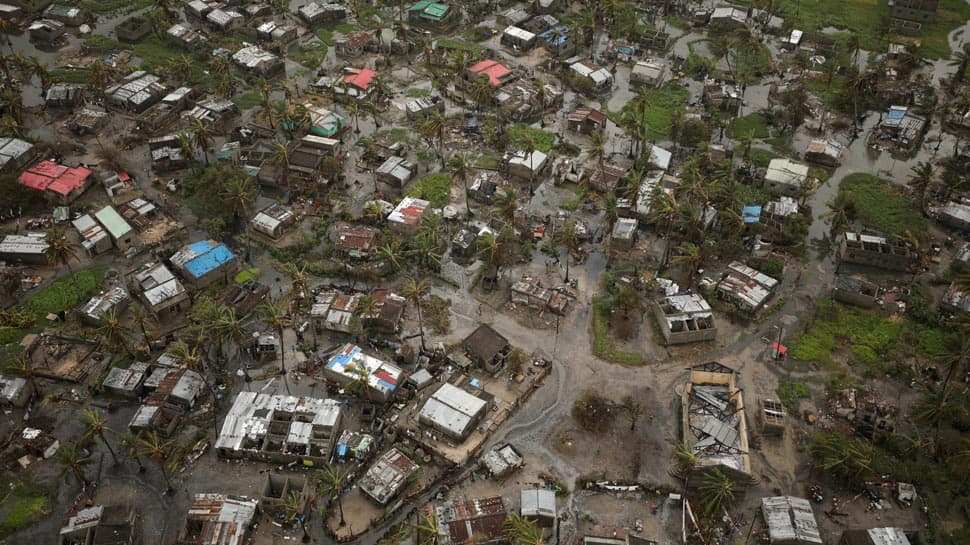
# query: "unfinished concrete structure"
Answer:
x=892 y=254
x=279 y=428
x=714 y=424
x=856 y=291
x=685 y=319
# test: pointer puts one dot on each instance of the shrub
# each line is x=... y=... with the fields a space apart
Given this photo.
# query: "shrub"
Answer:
x=789 y=393
x=434 y=188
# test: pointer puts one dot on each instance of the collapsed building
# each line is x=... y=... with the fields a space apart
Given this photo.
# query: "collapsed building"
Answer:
x=714 y=426
x=388 y=476
x=790 y=521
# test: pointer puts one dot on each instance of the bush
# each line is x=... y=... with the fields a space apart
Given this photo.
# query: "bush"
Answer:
x=434 y=188
x=789 y=393
x=593 y=412
x=520 y=133
x=879 y=205
x=753 y=124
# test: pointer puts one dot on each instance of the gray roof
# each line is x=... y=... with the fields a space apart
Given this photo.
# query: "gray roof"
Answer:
x=251 y=413
x=11 y=387
x=790 y=519
x=452 y=409
x=12 y=149
x=538 y=502
x=104 y=302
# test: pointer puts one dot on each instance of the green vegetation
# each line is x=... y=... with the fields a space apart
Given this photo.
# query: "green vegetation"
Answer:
x=460 y=45
x=754 y=125
x=326 y=36
x=247 y=100
x=434 y=188
x=22 y=503
x=661 y=107
x=246 y=275
x=520 y=134
x=867 y=338
x=310 y=55
x=867 y=18
x=417 y=92
x=62 y=294
x=103 y=43
x=70 y=75
x=604 y=346
x=879 y=205
x=344 y=28
x=789 y=393
x=761 y=157
x=110 y=7
x=157 y=53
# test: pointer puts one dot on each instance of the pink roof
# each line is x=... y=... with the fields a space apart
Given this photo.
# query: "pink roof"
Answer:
x=71 y=180
x=48 y=175
x=360 y=78
x=493 y=69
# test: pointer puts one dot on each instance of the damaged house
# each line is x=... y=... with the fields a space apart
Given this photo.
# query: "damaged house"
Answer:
x=280 y=428
x=685 y=319
x=714 y=424
x=387 y=477
x=749 y=289
x=893 y=254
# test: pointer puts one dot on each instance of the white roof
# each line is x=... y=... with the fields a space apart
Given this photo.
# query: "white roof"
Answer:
x=158 y=284
x=382 y=376
x=660 y=157
x=519 y=33
x=452 y=409
x=254 y=56
x=784 y=171
x=251 y=413
x=888 y=536
x=408 y=211
x=533 y=162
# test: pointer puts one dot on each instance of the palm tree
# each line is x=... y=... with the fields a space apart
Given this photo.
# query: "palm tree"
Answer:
x=391 y=251
x=61 y=251
x=361 y=381
x=597 y=148
x=278 y=321
x=507 y=203
x=129 y=445
x=529 y=143
x=961 y=60
x=428 y=530
x=291 y=507
x=433 y=129
x=281 y=158
x=203 y=135
x=841 y=211
x=331 y=479
x=685 y=461
x=96 y=424
x=21 y=366
x=181 y=66
x=113 y=331
x=847 y=458
x=12 y=103
x=72 y=463
x=482 y=92
x=522 y=531
x=460 y=168
x=568 y=239
x=690 y=256
x=238 y=194
x=920 y=180
x=415 y=289
x=157 y=449
x=717 y=492
x=354 y=110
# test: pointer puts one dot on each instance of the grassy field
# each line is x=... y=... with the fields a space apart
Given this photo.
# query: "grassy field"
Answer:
x=110 y=7
x=21 y=504
x=520 y=133
x=752 y=124
x=604 y=347
x=662 y=105
x=310 y=55
x=879 y=205
x=867 y=338
x=62 y=294
x=434 y=188
x=866 y=18
x=247 y=100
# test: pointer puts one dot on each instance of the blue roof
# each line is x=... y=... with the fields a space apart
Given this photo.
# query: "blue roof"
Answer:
x=341 y=450
x=209 y=259
x=751 y=214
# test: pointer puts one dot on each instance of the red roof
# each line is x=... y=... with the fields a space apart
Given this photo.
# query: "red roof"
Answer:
x=360 y=78
x=48 y=175
x=493 y=69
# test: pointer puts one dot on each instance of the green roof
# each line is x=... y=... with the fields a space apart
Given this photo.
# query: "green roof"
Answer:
x=116 y=225
x=431 y=9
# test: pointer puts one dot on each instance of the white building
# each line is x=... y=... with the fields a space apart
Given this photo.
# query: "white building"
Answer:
x=351 y=364
x=790 y=521
x=453 y=412
x=786 y=177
